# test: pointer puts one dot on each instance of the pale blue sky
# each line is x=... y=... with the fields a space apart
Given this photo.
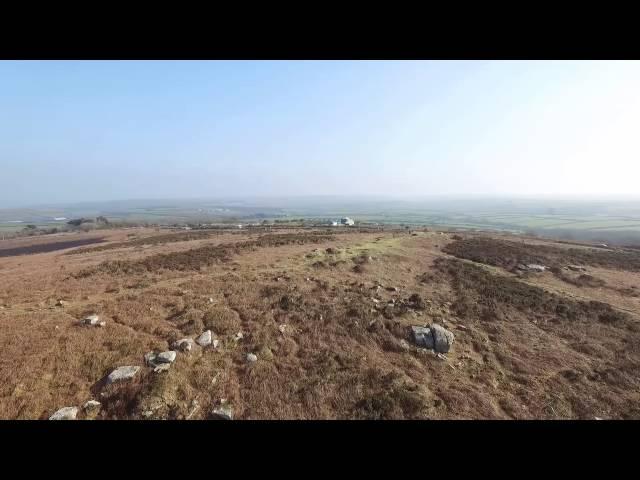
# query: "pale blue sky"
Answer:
x=82 y=131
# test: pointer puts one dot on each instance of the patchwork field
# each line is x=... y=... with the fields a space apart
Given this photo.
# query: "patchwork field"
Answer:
x=316 y=324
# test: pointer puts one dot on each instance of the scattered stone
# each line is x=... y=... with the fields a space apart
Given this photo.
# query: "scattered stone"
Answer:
x=392 y=289
x=121 y=374
x=149 y=359
x=66 y=413
x=57 y=327
x=576 y=268
x=163 y=367
x=102 y=324
x=91 y=405
x=238 y=336
x=375 y=300
x=422 y=336
x=92 y=320
x=536 y=268
x=165 y=357
x=442 y=338
x=184 y=344
x=223 y=413
x=251 y=357
x=61 y=303
x=215 y=343
x=210 y=300
x=404 y=344
x=283 y=328
x=205 y=339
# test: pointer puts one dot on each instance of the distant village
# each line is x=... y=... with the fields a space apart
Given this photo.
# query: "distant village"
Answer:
x=343 y=222
x=346 y=221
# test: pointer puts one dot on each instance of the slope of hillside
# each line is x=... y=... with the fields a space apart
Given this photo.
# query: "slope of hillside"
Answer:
x=317 y=325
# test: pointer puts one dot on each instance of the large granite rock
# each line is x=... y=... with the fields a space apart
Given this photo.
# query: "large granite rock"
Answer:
x=442 y=338
x=422 y=336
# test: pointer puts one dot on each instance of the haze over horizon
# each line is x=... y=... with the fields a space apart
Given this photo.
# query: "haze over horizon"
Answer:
x=83 y=131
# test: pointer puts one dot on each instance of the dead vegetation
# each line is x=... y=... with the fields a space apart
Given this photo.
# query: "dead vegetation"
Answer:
x=47 y=247
x=508 y=254
x=331 y=342
x=599 y=345
x=580 y=280
x=151 y=240
x=493 y=291
x=197 y=258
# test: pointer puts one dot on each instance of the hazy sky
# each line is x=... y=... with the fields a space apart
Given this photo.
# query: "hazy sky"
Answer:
x=75 y=131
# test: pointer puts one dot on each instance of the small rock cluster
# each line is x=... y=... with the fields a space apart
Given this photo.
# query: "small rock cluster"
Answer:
x=160 y=362
x=434 y=337
x=93 y=320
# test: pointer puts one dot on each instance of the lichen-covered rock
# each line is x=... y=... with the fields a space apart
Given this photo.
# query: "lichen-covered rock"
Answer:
x=422 y=336
x=66 y=413
x=165 y=357
x=150 y=359
x=122 y=374
x=205 y=339
x=91 y=405
x=91 y=320
x=442 y=338
x=184 y=344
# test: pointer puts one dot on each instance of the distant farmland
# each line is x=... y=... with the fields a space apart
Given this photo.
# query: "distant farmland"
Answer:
x=609 y=221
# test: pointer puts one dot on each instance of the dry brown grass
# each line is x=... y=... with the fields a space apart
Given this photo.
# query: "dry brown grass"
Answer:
x=508 y=254
x=520 y=352
x=150 y=240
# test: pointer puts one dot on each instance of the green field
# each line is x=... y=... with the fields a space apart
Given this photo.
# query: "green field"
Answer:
x=557 y=218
